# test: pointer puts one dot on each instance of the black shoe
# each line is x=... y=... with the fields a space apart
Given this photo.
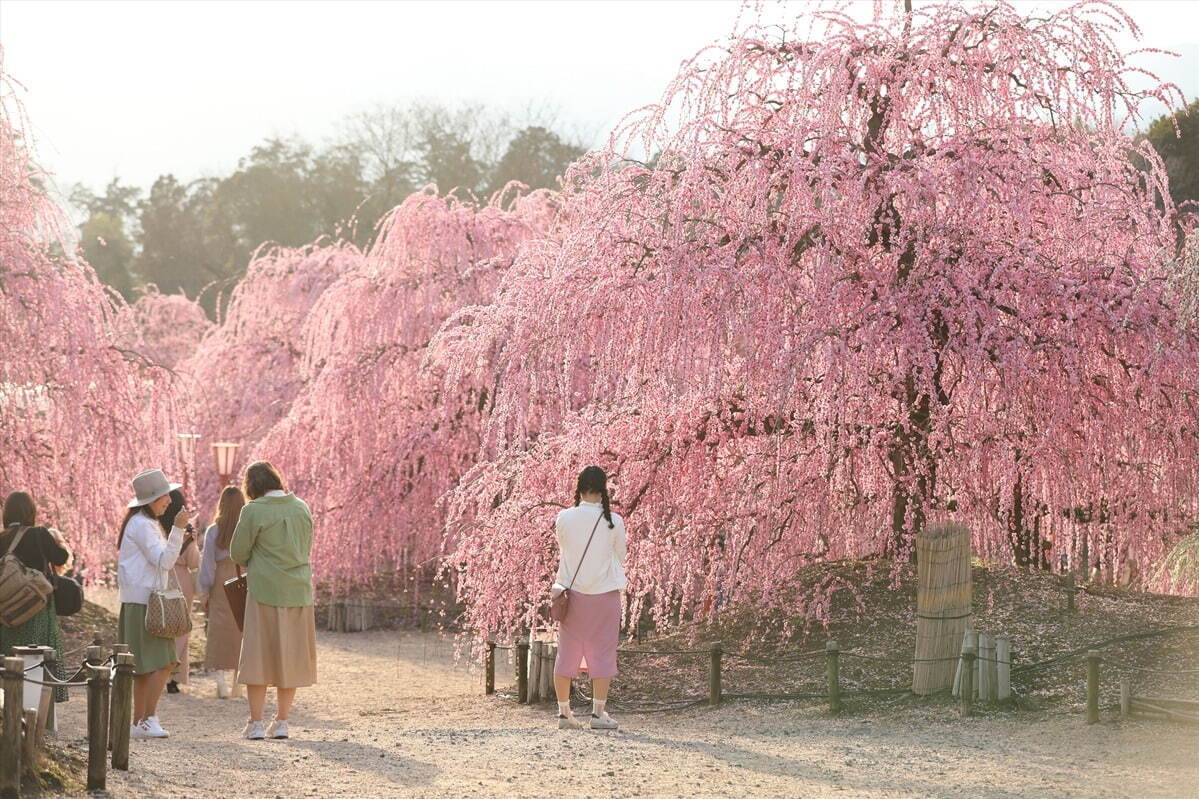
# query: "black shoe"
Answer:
x=172 y=687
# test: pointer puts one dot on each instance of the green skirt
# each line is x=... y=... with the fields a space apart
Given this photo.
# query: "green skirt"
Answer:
x=41 y=630
x=150 y=653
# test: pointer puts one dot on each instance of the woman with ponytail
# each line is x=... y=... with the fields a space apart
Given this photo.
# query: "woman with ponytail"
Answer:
x=592 y=543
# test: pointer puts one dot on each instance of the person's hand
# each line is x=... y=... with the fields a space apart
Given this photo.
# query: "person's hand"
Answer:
x=183 y=518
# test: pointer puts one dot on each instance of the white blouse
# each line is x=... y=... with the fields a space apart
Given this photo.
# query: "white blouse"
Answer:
x=603 y=568
x=146 y=558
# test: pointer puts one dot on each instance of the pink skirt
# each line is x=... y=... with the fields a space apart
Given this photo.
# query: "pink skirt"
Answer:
x=591 y=631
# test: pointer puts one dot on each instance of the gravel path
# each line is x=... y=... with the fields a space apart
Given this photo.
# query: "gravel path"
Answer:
x=395 y=716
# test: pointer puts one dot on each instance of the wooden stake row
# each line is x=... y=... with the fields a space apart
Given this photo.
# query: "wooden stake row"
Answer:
x=108 y=717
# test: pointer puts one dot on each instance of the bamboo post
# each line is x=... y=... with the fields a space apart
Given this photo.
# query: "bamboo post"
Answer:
x=1125 y=697
x=714 y=690
x=122 y=710
x=29 y=751
x=10 y=742
x=833 y=669
x=1092 y=687
x=97 y=727
x=33 y=658
x=1003 y=658
x=944 y=595
x=489 y=670
x=522 y=672
x=986 y=659
x=966 y=695
x=1070 y=589
x=535 y=672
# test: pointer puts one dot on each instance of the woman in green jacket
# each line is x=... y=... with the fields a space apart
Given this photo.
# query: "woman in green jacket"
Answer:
x=273 y=540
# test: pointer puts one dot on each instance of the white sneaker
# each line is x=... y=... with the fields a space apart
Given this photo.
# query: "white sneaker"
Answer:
x=138 y=732
x=253 y=731
x=604 y=722
x=278 y=729
x=569 y=723
x=153 y=728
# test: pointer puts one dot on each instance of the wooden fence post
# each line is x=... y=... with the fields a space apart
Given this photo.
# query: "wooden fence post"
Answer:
x=714 y=691
x=548 y=657
x=966 y=697
x=969 y=639
x=832 y=654
x=1070 y=590
x=97 y=727
x=535 y=648
x=1092 y=687
x=10 y=743
x=48 y=719
x=29 y=751
x=489 y=670
x=1125 y=698
x=122 y=710
x=522 y=672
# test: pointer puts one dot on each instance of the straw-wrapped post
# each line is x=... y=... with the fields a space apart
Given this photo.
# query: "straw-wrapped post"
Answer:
x=943 y=596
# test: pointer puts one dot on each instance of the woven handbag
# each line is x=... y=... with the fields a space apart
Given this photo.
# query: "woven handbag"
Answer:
x=167 y=611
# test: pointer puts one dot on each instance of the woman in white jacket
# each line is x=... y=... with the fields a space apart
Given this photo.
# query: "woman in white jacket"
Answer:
x=145 y=560
x=593 y=544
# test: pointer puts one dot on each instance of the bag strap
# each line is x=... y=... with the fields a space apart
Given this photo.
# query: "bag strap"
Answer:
x=594 y=527
x=16 y=539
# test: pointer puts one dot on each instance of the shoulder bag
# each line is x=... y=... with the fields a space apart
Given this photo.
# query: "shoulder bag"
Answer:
x=24 y=592
x=167 y=612
x=235 y=592
x=560 y=600
x=68 y=595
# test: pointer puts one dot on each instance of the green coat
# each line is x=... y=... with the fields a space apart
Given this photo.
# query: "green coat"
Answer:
x=273 y=540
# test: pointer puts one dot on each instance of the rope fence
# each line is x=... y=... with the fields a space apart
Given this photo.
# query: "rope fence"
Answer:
x=28 y=708
x=533 y=662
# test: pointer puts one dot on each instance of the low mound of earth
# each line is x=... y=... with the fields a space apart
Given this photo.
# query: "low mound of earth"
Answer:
x=872 y=613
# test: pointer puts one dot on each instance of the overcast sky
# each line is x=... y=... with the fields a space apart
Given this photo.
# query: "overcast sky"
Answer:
x=136 y=89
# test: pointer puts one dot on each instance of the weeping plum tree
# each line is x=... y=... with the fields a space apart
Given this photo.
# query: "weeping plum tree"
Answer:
x=879 y=273
x=246 y=372
x=164 y=328
x=371 y=428
x=78 y=413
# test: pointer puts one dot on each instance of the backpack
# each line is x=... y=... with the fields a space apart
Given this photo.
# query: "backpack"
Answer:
x=24 y=592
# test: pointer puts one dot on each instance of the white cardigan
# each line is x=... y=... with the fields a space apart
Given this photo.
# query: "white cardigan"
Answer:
x=146 y=558
x=603 y=568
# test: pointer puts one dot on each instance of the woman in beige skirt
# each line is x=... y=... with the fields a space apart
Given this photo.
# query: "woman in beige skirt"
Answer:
x=222 y=647
x=273 y=540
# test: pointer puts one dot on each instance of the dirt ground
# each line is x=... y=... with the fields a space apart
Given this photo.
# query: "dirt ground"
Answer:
x=394 y=715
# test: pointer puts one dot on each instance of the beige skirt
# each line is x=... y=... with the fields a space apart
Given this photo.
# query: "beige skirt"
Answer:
x=223 y=640
x=278 y=646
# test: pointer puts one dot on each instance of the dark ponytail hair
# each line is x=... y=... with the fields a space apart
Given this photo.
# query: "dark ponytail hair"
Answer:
x=592 y=480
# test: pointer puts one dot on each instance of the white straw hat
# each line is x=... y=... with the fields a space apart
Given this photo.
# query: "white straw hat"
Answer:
x=149 y=486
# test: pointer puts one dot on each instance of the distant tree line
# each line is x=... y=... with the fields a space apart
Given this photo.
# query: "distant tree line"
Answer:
x=197 y=237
